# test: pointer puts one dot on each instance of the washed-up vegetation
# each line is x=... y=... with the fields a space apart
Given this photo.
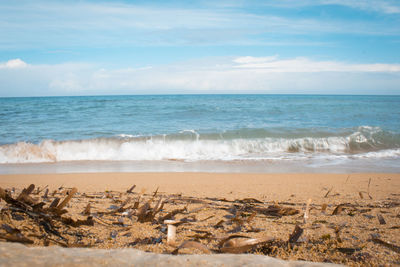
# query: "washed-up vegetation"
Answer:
x=365 y=231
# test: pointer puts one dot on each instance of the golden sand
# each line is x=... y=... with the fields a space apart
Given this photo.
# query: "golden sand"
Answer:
x=351 y=219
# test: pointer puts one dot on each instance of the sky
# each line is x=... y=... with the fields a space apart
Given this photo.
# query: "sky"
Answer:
x=57 y=48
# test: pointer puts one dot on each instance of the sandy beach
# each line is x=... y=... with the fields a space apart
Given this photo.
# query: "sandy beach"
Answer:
x=267 y=187
x=339 y=215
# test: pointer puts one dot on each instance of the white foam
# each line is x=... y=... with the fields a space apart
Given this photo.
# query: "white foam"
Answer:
x=160 y=148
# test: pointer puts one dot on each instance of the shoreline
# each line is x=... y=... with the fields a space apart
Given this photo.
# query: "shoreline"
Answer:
x=311 y=165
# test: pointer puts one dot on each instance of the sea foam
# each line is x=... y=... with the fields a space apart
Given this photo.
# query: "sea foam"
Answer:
x=365 y=142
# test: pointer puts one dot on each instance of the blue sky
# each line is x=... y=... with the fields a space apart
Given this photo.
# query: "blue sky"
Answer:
x=146 y=47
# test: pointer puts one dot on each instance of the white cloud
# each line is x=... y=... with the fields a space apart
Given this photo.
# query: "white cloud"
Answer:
x=382 y=6
x=241 y=74
x=14 y=64
x=60 y=25
x=379 y=6
x=304 y=65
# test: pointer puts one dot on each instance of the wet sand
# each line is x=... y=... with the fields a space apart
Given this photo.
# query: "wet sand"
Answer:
x=341 y=223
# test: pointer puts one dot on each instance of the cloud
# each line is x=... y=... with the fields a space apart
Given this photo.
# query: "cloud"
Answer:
x=13 y=64
x=240 y=74
x=65 y=25
x=304 y=65
x=379 y=6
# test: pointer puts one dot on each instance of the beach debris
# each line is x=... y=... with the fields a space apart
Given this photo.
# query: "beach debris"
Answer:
x=249 y=201
x=46 y=194
x=171 y=231
x=361 y=195
x=171 y=214
x=306 y=212
x=338 y=209
x=67 y=199
x=155 y=192
x=327 y=193
x=86 y=211
x=323 y=208
x=337 y=230
x=14 y=235
x=16 y=238
x=276 y=211
x=295 y=235
x=54 y=204
x=348 y=251
x=369 y=183
x=240 y=244
x=389 y=245
x=77 y=223
x=380 y=218
x=192 y=244
x=146 y=214
x=129 y=191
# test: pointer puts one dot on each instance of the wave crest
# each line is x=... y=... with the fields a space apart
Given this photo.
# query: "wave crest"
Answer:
x=189 y=145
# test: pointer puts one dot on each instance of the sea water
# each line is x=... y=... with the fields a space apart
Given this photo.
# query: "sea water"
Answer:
x=261 y=133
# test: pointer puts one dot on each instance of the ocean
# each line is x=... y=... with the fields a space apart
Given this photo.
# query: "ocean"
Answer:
x=221 y=133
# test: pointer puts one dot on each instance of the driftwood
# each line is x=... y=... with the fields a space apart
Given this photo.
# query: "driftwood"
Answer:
x=49 y=222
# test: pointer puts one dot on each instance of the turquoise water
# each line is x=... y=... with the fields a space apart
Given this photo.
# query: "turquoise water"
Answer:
x=199 y=128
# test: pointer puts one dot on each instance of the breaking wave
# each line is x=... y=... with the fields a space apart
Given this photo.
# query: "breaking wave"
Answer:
x=188 y=145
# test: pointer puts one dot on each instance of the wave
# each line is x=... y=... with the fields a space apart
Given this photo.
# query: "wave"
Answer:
x=245 y=144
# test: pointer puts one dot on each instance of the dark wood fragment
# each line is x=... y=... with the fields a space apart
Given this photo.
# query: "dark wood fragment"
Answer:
x=391 y=246
x=295 y=235
x=381 y=219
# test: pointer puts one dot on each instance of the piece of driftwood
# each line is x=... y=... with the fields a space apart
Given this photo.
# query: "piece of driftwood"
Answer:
x=242 y=245
x=67 y=198
x=327 y=193
x=129 y=191
x=386 y=244
x=16 y=238
x=338 y=209
x=249 y=201
x=171 y=214
x=46 y=194
x=380 y=219
x=323 y=208
x=276 y=211
x=26 y=191
x=192 y=244
x=54 y=204
x=295 y=235
x=69 y=221
x=369 y=183
x=86 y=211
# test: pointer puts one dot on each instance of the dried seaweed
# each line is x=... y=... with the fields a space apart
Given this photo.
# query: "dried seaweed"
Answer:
x=46 y=224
